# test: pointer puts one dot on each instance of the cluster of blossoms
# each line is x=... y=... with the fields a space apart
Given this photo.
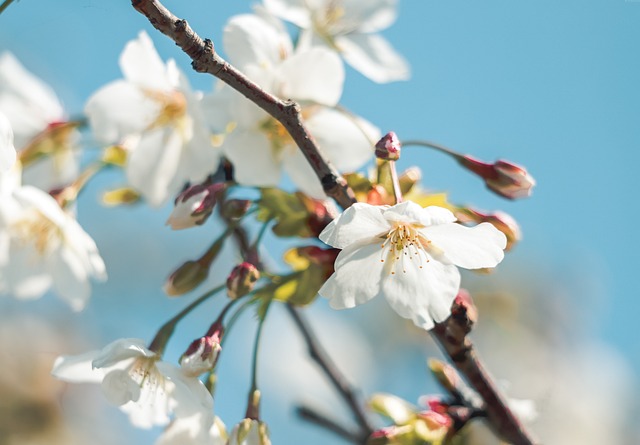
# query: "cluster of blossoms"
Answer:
x=398 y=242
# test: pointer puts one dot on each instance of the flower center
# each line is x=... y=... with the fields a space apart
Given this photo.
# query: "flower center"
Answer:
x=38 y=230
x=402 y=246
x=173 y=107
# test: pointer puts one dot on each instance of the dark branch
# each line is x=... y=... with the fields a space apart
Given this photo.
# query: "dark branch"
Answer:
x=321 y=358
x=205 y=60
x=452 y=337
x=312 y=416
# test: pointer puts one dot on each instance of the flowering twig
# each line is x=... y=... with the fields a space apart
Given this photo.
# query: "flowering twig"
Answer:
x=205 y=60
x=451 y=334
x=337 y=379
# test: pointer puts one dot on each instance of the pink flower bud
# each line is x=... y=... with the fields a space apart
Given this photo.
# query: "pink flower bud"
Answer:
x=435 y=420
x=241 y=280
x=502 y=221
x=502 y=177
x=194 y=205
x=388 y=148
x=201 y=356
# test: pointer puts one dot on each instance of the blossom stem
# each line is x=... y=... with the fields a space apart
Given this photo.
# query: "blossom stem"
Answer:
x=206 y=60
x=395 y=183
x=339 y=382
x=253 y=407
x=451 y=335
x=70 y=193
x=159 y=342
x=441 y=148
x=313 y=416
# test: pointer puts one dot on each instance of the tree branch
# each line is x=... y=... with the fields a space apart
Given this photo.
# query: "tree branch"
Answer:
x=337 y=379
x=312 y=416
x=451 y=334
x=205 y=60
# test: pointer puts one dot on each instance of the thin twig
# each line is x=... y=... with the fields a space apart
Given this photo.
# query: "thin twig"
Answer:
x=5 y=5
x=313 y=416
x=329 y=368
x=205 y=60
x=452 y=337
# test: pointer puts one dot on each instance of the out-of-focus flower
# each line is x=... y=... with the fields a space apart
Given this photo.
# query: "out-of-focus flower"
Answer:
x=409 y=255
x=39 y=125
x=250 y=432
x=241 y=280
x=154 y=112
x=349 y=27
x=502 y=221
x=134 y=378
x=505 y=178
x=258 y=145
x=7 y=150
x=194 y=205
x=41 y=246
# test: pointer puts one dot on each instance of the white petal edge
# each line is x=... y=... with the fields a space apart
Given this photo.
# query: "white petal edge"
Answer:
x=374 y=57
x=360 y=222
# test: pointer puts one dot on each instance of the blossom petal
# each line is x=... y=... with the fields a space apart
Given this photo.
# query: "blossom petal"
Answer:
x=294 y=11
x=77 y=368
x=252 y=158
x=347 y=141
x=70 y=278
x=153 y=164
x=360 y=222
x=142 y=66
x=119 y=388
x=251 y=40
x=120 y=109
x=357 y=276
x=7 y=150
x=468 y=247
x=372 y=15
x=316 y=75
x=119 y=350
x=422 y=294
x=374 y=57
x=301 y=173
x=410 y=212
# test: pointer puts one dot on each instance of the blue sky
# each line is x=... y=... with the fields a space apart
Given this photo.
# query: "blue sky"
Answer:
x=552 y=85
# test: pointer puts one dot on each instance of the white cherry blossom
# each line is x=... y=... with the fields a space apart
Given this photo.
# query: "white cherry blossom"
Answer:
x=154 y=111
x=200 y=428
x=408 y=254
x=43 y=247
x=349 y=27
x=132 y=377
x=32 y=107
x=258 y=146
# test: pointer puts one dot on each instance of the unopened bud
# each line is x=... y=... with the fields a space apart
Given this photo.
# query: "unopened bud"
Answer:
x=201 y=356
x=186 y=277
x=388 y=148
x=464 y=310
x=502 y=177
x=501 y=221
x=241 y=280
x=398 y=410
x=446 y=374
x=194 y=205
x=432 y=426
x=250 y=432
x=235 y=208
x=124 y=195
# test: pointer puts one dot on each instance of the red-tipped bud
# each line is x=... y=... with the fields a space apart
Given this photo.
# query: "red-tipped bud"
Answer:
x=241 y=280
x=186 y=277
x=202 y=355
x=435 y=420
x=502 y=221
x=502 y=177
x=235 y=208
x=194 y=205
x=434 y=403
x=388 y=148
x=464 y=309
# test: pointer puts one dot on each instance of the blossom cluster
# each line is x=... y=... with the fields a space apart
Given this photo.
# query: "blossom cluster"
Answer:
x=211 y=151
